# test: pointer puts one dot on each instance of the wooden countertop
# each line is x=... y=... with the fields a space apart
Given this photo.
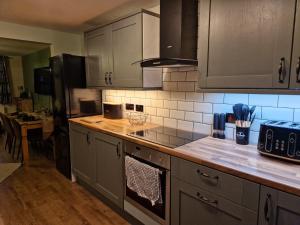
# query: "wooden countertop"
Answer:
x=223 y=155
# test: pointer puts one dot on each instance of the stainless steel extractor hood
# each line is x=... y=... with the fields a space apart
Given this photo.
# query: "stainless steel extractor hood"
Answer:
x=178 y=34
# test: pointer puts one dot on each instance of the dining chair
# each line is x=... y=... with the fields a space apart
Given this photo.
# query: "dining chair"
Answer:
x=18 y=139
x=9 y=132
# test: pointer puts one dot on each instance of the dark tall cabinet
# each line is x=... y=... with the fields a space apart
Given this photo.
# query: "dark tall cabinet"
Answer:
x=246 y=43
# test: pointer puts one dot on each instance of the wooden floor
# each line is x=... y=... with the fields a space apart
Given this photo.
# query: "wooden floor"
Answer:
x=37 y=194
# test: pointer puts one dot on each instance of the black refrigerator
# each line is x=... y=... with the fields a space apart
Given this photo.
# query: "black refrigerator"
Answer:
x=71 y=98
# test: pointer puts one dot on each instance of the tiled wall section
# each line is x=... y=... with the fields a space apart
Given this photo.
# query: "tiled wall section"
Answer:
x=179 y=106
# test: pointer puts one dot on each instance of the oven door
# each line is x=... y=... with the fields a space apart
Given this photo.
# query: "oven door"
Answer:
x=160 y=211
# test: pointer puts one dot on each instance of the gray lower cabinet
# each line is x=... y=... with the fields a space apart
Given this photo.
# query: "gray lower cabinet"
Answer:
x=245 y=43
x=108 y=161
x=278 y=208
x=82 y=153
x=96 y=159
x=201 y=195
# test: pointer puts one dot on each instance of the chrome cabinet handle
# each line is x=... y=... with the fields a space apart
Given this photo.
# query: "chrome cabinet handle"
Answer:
x=281 y=70
x=298 y=71
x=207 y=175
x=207 y=200
x=118 y=150
x=88 y=138
x=267 y=208
x=106 y=78
x=109 y=78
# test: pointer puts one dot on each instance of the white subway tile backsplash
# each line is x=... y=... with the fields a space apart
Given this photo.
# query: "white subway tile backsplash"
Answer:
x=185 y=125
x=166 y=76
x=222 y=108
x=157 y=103
x=186 y=86
x=192 y=76
x=170 y=104
x=214 y=97
x=194 y=96
x=170 y=86
x=187 y=106
x=165 y=95
x=297 y=115
x=263 y=100
x=178 y=95
x=178 y=76
x=203 y=107
x=157 y=120
x=236 y=98
x=270 y=113
x=203 y=128
x=177 y=114
x=229 y=133
x=289 y=101
x=170 y=122
x=163 y=112
x=208 y=118
x=193 y=116
x=179 y=106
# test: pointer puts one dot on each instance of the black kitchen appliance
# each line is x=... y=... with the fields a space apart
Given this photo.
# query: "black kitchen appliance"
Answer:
x=166 y=136
x=178 y=34
x=112 y=110
x=43 y=81
x=69 y=92
x=280 y=139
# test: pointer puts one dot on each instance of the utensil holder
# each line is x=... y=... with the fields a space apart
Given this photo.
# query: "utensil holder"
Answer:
x=242 y=135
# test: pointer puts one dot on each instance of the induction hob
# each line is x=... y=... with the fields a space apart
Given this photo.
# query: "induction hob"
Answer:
x=167 y=136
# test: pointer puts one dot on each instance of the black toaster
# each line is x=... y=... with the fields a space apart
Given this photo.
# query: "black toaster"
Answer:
x=280 y=139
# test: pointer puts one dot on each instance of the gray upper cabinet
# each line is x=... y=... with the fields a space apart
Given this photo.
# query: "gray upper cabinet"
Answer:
x=295 y=70
x=245 y=43
x=114 y=53
x=278 y=208
x=99 y=57
x=81 y=153
x=108 y=157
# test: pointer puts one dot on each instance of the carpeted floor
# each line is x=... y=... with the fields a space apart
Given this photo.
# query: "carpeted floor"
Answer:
x=6 y=169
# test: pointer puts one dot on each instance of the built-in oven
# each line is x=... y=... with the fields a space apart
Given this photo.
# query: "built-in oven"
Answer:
x=140 y=207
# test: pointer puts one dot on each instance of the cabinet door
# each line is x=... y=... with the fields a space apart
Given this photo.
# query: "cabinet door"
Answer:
x=194 y=206
x=295 y=70
x=242 y=43
x=98 y=60
x=278 y=208
x=127 y=50
x=108 y=156
x=81 y=152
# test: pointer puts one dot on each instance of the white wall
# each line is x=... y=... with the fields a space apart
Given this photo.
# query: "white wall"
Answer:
x=16 y=68
x=61 y=42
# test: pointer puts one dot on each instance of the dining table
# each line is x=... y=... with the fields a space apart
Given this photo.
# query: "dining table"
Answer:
x=43 y=122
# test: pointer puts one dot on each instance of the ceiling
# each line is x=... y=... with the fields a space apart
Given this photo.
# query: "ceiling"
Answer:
x=68 y=15
x=11 y=47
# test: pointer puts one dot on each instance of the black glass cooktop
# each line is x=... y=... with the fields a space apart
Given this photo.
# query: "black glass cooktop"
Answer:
x=167 y=136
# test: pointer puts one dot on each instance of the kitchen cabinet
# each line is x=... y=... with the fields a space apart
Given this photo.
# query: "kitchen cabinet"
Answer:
x=114 y=53
x=96 y=159
x=203 y=195
x=99 y=56
x=246 y=44
x=278 y=208
x=295 y=69
x=81 y=153
x=109 y=176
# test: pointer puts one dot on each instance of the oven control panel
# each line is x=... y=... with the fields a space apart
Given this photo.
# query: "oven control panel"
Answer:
x=280 y=139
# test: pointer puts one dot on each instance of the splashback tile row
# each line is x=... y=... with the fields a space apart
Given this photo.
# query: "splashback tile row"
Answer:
x=179 y=106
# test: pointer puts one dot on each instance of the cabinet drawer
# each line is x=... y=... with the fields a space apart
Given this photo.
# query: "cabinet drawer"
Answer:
x=193 y=206
x=235 y=189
